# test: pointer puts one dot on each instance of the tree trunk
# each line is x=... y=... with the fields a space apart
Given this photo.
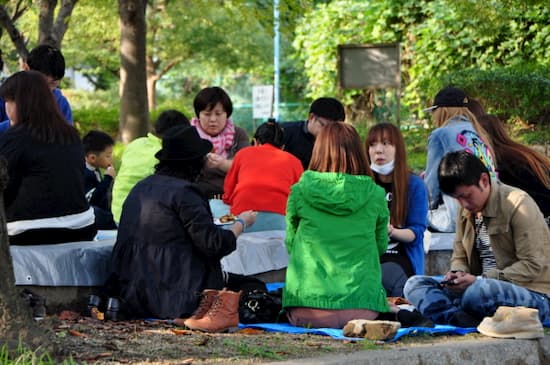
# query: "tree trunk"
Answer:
x=152 y=91
x=50 y=32
x=152 y=78
x=134 y=112
x=154 y=73
x=16 y=324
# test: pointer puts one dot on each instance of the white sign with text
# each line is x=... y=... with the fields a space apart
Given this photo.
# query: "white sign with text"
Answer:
x=262 y=101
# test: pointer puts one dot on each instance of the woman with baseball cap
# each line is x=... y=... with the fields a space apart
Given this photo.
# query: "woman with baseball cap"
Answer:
x=456 y=129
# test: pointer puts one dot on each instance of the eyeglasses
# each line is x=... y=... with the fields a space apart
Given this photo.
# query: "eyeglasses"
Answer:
x=320 y=121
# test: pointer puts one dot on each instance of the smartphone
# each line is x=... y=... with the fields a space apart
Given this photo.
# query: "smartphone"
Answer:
x=448 y=282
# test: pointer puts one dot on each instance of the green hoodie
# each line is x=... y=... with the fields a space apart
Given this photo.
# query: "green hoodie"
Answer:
x=337 y=228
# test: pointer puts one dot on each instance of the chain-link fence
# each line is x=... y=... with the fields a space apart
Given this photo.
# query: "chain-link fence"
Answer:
x=242 y=115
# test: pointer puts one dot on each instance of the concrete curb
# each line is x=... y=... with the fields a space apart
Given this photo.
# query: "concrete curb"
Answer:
x=484 y=351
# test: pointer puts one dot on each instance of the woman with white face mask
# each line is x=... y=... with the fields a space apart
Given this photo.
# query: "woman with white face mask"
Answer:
x=408 y=203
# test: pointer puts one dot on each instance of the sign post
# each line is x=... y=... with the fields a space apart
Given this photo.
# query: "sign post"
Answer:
x=262 y=102
x=362 y=66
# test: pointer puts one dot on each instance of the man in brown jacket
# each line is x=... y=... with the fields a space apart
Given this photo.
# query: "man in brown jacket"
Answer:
x=501 y=250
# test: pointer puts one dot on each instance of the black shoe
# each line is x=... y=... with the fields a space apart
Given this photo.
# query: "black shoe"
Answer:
x=387 y=316
x=114 y=311
x=413 y=319
x=36 y=302
x=94 y=301
x=464 y=320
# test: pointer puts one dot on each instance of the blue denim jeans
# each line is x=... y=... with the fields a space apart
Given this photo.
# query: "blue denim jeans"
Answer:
x=480 y=299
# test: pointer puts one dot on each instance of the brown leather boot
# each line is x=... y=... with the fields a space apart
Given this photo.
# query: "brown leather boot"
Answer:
x=208 y=296
x=222 y=315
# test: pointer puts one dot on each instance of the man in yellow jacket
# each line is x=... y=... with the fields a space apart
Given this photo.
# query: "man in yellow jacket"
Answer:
x=501 y=250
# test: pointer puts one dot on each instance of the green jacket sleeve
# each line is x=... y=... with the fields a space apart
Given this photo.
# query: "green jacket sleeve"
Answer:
x=292 y=221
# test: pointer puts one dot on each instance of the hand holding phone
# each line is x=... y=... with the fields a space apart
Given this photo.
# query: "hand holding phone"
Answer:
x=448 y=282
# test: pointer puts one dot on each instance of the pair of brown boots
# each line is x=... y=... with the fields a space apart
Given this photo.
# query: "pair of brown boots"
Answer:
x=218 y=311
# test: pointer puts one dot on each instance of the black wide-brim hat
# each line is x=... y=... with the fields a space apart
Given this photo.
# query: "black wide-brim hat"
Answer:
x=183 y=143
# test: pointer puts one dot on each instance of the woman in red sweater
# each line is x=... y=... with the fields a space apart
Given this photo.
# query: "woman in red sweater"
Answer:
x=260 y=178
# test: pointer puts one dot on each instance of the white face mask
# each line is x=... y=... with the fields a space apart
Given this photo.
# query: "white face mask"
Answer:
x=384 y=169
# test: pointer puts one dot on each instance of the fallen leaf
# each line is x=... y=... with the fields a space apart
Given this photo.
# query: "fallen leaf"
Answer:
x=76 y=333
x=111 y=346
x=91 y=357
x=179 y=322
x=96 y=314
x=251 y=331
x=179 y=332
x=68 y=315
x=186 y=361
x=203 y=341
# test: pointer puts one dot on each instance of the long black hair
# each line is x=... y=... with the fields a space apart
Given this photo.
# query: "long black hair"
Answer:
x=270 y=132
x=36 y=108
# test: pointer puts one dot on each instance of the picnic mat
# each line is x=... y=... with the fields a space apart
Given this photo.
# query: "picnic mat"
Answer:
x=338 y=334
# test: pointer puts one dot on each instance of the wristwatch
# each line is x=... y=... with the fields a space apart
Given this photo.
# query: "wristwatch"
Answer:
x=241 y=221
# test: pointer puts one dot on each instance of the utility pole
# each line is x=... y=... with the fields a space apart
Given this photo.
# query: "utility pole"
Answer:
x=276 y=87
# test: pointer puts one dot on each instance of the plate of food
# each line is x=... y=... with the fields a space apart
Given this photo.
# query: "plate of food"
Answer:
x=225 y=219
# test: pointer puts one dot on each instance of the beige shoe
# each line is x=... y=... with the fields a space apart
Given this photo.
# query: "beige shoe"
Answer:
x=222 y=315
x=513 y=322
x=372 y=330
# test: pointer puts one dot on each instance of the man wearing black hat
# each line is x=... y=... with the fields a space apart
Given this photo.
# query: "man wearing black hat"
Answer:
x=168 y=249
x=300 y=136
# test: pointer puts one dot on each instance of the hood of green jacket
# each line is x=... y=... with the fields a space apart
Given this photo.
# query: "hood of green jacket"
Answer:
x=337 y=193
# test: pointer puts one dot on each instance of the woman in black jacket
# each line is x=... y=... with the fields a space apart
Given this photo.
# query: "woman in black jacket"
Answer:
x=44 y=199
x=519 y=165
x=168 y=249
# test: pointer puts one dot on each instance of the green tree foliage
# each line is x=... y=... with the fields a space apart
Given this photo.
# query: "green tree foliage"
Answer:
x=437 y=37
x=520 y=91
x=91 y=45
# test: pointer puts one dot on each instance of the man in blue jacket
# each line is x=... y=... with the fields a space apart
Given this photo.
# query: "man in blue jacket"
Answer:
x=49 y=61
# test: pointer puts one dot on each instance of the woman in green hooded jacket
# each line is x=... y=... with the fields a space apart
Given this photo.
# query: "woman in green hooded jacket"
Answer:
x=337 y=228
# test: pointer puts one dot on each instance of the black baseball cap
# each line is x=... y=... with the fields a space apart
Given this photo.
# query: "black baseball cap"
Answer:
x=449 y=96
x=328 y=108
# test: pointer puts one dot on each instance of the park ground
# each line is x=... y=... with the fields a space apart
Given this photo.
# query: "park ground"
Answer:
x=86 y=340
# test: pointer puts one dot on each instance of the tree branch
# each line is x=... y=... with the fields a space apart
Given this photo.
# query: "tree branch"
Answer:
x=62 y=20
x=169 y=65
x=15 y=35
x=20 y=9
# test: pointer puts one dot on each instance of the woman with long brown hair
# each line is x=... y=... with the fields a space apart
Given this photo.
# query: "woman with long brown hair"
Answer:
x=408 y=203
x=337 y=228
x=519 y=165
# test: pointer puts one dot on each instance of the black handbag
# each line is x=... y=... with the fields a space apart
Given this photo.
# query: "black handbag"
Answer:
x=259 y=306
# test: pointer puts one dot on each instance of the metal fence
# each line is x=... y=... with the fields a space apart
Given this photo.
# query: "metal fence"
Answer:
x=242 y=115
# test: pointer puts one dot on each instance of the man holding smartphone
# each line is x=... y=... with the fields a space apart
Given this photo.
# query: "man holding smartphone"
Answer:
x=501 y=250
